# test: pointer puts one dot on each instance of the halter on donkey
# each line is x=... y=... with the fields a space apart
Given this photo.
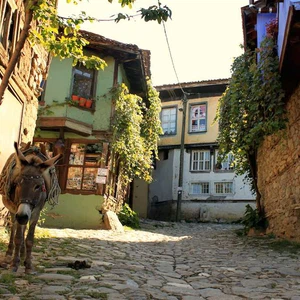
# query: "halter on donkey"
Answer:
x=27 y=189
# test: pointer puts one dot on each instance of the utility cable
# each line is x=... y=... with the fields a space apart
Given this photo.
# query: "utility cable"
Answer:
x=171 y=57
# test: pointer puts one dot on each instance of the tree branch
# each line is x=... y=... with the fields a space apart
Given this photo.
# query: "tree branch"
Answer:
x=19 y=46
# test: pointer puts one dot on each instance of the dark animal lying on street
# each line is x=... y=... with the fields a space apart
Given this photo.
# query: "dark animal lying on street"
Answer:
x=79 y=265
x=29 y=185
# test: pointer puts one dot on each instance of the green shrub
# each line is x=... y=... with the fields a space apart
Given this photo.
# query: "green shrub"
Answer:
x=128 y=217
x=252 y=219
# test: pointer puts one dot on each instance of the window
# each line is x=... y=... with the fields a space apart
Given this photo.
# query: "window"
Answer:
x=83 y=166
x=79 y=171
x=8 y=20
x=223 y=187
x=168 y=120
x=49 y=148
x=198 y=118
x=226 y=165
x=83 y=82
x=200 y=188
x=200 y=160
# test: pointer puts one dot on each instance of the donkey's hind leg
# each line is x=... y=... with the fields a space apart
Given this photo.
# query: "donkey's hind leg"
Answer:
x=10 y=248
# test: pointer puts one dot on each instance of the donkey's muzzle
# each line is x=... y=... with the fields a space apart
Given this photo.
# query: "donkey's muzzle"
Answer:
x=23 y=214
x=22 y=219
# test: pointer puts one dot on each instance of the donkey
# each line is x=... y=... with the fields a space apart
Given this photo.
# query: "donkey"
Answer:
x=27 y=198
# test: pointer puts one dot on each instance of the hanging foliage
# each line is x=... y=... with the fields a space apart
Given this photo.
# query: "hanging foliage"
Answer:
x=151 y=126
x=251 y=108
x=135 y=133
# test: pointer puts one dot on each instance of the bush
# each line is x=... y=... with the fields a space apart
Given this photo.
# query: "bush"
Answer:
x=252 y=219
x=128 y=217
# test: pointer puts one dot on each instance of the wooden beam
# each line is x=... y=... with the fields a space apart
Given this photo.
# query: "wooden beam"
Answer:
x=286 y=34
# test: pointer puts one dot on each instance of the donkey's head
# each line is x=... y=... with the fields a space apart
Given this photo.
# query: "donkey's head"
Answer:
x=30 y=192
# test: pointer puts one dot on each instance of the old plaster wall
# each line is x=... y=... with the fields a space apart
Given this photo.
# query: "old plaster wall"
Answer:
x=25 y=82
x=279 y=175
x=18 y=112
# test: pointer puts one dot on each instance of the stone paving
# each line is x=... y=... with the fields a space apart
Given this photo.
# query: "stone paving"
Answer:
x=165 y=261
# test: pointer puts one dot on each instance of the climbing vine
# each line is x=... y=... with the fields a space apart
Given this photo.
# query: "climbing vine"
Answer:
x=251 y=108
x=136 y=131
x=151 y=125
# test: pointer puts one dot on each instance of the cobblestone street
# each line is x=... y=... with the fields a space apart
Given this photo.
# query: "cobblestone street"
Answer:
x=165 y=261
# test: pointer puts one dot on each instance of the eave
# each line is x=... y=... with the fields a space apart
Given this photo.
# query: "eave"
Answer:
x=249 y=20
x=136 y=61
x=196 y=89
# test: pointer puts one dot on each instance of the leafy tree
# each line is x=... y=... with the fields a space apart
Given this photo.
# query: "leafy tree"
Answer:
x=61 y=37
x=136 y=130
x=251 y=108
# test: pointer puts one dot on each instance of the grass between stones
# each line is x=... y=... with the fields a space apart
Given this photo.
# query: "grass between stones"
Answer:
x=8 y=280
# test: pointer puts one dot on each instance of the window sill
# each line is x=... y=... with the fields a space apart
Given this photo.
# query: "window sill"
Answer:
x=197 y=132
x=92 y=110
x=168 y=135
x=79 y=192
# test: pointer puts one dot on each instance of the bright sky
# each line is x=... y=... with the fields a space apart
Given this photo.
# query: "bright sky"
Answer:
x=204 y=35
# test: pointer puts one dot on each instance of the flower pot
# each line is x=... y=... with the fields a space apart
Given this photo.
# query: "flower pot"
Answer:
x=88 y=103
x=82 y=101
x=75 y=98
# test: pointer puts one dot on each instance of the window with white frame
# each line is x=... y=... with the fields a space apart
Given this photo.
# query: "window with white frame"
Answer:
x=223 y=187
x=227 y=164
x=168 y=120
x=200 y=160
x=198 y=118
x=199 y=188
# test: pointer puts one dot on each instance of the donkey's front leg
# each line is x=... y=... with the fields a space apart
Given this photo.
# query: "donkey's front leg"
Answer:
x=10 y=248
x=29 y=244
x=18 y=241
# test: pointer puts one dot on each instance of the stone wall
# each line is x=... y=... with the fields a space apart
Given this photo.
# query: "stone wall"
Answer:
x=279 y=175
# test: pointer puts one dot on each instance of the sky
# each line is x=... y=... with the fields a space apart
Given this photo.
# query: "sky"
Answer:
x=204 y=36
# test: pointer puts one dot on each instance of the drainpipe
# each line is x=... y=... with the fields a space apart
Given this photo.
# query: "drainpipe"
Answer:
x=181 y=163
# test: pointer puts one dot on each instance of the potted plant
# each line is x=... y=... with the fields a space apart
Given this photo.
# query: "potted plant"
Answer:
x=82 y=101
x=75 y=97
x=89 y=103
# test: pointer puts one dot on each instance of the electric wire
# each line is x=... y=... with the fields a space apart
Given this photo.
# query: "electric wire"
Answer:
x=171 y=56
x=172 y=60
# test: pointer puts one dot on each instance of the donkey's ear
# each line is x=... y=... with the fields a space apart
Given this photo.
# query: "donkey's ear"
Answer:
x=19 y=155
x=50 y=162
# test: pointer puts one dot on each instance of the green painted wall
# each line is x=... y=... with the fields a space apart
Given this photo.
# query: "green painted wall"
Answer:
x=74 y=211
x=58 y=81
x=78 y=211
x=103 y=102
x=59 y=88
